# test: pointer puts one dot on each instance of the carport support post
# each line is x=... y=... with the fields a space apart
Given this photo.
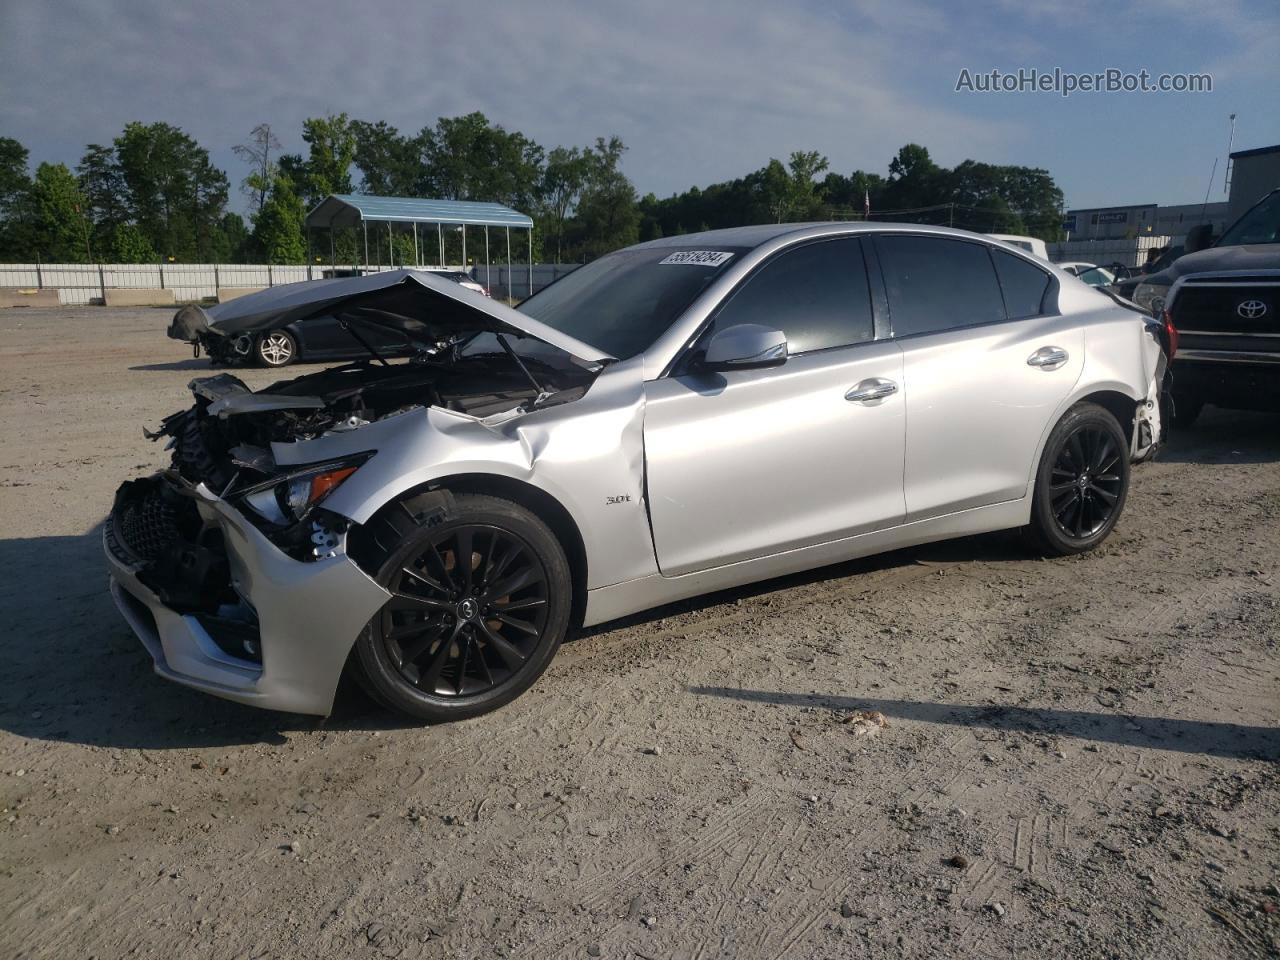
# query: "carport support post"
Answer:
x=365 y=224
x=391 y=245
x=333 y=257
x=486 y=256
x=102 y=284
x=440 y=240
x=417 y=260
x=531 y=260
x=464 y=246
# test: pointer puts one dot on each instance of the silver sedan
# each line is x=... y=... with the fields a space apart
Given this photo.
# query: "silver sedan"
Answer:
x=674 y=418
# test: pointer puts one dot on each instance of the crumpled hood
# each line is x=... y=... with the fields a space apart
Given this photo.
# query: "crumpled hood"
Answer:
x=424 y=307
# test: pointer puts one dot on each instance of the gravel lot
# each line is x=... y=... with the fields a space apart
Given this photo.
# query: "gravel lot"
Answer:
x=1078 y=757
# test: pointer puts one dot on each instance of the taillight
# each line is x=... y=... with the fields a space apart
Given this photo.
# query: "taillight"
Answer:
x=1171 y=334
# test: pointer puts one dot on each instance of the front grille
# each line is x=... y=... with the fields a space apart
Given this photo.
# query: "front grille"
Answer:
x=1217 y=309
x=148 y=525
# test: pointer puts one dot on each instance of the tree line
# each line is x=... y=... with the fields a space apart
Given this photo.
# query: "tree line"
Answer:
x=153 y=194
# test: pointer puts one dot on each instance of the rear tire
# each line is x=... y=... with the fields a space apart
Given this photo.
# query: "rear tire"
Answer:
x=1082 y=482
x=481 y=597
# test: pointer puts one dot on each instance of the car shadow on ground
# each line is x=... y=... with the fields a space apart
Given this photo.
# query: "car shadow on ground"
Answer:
x=1226 y=436
x=1153 y=733
x=191 y=363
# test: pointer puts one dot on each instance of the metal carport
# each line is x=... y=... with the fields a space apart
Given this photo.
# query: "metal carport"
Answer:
x=340 y=210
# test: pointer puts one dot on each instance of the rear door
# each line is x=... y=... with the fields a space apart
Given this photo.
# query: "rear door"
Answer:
x=748 y=463
x=986 y=362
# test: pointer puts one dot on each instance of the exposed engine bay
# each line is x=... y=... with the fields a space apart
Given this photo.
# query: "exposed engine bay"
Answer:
x=224 y=440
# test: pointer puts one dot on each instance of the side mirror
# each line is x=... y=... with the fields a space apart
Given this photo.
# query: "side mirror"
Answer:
x=745 y=347
x=1198 y=238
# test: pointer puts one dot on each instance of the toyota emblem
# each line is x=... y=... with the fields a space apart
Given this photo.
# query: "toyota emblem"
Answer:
x=1251 y=309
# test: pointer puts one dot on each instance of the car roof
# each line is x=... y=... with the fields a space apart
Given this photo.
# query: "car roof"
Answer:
x=762 y=233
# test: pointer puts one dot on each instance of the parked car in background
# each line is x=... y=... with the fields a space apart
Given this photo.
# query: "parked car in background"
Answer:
x=1224 y=302
x=314 y=339
x=1126 y=286
x=1090 y=273
x=678 y=417
x=1032 y=245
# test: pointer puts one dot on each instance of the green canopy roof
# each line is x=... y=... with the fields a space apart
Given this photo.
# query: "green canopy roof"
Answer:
x=349 y=209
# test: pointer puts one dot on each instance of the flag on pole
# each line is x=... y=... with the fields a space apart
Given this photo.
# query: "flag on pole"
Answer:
x=866 y=205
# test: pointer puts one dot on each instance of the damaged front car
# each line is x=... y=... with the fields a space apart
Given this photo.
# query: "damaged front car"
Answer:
x=679 y=417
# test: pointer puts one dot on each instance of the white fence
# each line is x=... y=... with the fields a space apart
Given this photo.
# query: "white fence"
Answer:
x=85 y=283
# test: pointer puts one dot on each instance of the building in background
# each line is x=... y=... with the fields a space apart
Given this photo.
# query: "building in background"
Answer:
x=1136 y=221
x=1253 y=174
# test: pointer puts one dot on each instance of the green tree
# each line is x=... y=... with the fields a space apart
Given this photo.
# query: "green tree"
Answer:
x=468 y=158
x=332 y=151
x=277 y=230
x=126 y=243
x=259 y=154
x=563 y=178
x=390 y=164
x=106 y=196
x=15 y=196
x=608 y=216
x=176 y=196
x=61 y=231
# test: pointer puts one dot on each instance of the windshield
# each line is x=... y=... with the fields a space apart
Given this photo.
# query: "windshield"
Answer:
x=1259 y=225
x=623 y=302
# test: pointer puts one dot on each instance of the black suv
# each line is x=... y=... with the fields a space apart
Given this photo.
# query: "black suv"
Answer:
x=1224 y=302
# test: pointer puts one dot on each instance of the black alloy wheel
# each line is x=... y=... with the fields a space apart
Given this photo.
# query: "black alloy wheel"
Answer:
x=480 y=598
x=1085 y=482
x=467 y=612
x=1082 y=482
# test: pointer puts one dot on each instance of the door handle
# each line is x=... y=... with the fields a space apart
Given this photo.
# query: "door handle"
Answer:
x=1048 y=358
x=869 y=390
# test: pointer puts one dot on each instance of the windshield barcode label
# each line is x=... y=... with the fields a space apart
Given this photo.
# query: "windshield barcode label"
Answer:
x=699 y=258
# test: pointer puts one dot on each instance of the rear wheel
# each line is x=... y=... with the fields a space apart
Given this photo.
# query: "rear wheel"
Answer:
x=276 y=348
x=480 y=600
x=1082 y=482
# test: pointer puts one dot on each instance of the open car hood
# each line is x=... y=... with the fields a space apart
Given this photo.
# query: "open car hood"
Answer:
x=426 y=308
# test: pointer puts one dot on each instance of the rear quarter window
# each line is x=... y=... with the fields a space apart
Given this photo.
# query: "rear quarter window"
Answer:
x=1023 y=284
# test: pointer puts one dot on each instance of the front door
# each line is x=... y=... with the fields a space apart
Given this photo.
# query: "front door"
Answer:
x=749 y=463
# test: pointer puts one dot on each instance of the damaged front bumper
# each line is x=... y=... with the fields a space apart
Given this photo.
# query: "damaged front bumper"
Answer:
x=220 y=608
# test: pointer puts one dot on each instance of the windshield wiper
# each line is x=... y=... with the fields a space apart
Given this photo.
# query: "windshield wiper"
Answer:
x=542 y=391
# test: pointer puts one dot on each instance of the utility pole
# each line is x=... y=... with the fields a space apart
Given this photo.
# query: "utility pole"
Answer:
x=1231 y=139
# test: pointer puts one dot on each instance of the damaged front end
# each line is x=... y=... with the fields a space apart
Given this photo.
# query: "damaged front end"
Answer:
x=227 y=564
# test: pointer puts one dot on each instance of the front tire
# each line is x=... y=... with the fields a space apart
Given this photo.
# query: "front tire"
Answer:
x=481 y=596
x=276 y=348
x=1082 y=482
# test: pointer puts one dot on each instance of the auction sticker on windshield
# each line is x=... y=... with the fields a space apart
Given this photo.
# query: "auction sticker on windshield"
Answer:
x=699 y=258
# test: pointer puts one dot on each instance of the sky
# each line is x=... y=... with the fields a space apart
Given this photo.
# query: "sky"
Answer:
x=699 y=91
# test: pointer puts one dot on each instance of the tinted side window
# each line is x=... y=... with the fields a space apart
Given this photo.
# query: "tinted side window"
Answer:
x=1024 y=285
x=816 y=294
x=935 y=284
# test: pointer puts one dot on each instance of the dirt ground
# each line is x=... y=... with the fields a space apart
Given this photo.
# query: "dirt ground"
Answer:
x=1078 y=757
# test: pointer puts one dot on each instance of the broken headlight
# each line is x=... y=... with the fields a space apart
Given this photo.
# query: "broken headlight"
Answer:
x=285 y=501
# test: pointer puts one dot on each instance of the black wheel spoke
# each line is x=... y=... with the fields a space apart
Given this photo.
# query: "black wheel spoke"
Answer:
x=520 y=625
x=421 y=576
x=514 y=605
x=415 y=648
x=517 y=581
x=1105 y=494
x=430 y=677
x=409 y=601
x=462 y=559
x=507 y=650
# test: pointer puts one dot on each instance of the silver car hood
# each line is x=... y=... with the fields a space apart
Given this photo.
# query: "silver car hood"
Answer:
x=422 y=306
